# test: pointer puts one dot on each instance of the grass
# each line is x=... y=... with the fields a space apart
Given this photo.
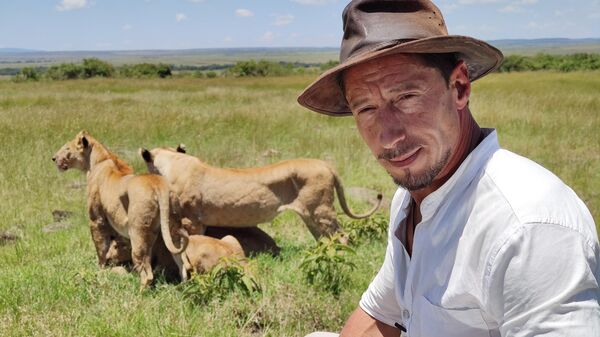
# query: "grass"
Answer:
x=49 y=282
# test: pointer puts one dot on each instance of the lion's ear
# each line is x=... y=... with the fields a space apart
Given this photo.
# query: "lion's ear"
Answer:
x=181 y=148
x=82 y=139
x=146 y=155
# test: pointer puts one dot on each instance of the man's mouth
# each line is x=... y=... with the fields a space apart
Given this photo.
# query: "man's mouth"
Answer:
x=406 y=158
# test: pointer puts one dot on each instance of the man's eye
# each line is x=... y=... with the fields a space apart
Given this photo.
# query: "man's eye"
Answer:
x=366 y=109
x=405 y=97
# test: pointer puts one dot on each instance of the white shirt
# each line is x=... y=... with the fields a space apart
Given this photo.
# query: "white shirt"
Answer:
x=504 y=248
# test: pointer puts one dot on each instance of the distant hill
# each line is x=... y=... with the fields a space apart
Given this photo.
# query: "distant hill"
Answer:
x=548 y=46
x=18 y=58
x=16 y=50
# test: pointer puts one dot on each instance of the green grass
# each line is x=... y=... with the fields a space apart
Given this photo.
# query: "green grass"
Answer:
x=49 y=282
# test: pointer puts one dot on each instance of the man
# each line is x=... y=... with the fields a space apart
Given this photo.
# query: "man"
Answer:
x=481 y=242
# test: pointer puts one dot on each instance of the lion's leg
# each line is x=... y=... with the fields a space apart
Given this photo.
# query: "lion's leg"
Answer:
x=101 y=236
x=142 y=241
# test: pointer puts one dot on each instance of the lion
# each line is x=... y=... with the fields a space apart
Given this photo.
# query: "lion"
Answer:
x=204 y=252
x=204 y=195
x=135 y=207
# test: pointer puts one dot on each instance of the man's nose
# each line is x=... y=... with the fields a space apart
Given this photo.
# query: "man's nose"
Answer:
x=393 y=126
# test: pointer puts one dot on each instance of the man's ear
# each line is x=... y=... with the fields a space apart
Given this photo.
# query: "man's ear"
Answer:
x=459 y=79
x=181 y=148
x=146 y=155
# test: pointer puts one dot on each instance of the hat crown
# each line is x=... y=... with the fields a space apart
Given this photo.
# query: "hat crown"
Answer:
x=376 y=24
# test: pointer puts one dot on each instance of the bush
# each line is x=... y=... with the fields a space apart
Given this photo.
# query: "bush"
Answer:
x=372 y=228
x=326 y=266
x=328 y=65
x=261 y=68
x=93 y=67
x=28 y=74
x=226 y=277
x=65 y=71
x=146 y=70
x=211 y=74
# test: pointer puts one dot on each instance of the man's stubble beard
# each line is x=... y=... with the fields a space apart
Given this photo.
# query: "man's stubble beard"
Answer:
x=416 y=182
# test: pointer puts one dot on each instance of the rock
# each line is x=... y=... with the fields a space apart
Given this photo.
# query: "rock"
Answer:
x=59 y=215
x=271 y=153
x=8 y=236
x=55 y=227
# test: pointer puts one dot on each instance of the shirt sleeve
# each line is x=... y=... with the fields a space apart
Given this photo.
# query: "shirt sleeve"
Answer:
x=543 y=281
x=379 y=300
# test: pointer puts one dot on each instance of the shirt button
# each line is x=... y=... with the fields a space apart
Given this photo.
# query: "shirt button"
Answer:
x=405 y=314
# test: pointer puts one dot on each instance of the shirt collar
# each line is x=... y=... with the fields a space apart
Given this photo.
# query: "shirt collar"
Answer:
x=466 y=172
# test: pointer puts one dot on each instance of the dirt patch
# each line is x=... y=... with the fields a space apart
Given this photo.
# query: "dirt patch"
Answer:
x=11 y=235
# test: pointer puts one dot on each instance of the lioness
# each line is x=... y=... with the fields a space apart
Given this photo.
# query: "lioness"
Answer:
x=204 y=252
x=136 y=207
x=204 y=195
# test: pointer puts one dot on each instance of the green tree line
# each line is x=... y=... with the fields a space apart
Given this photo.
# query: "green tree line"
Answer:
x=93 y=67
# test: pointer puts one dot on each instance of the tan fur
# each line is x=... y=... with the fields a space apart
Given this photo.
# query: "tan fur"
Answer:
x=135 y=207
x=211 y=196
x=205 y=252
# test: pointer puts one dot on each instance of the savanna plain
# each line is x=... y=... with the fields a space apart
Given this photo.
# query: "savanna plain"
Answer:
x=50 y=284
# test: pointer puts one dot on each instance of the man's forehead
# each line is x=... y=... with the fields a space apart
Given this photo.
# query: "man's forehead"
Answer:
x=402 y=69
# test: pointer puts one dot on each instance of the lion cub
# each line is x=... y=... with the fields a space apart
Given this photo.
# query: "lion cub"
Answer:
x=135 y=207
x=204 y=252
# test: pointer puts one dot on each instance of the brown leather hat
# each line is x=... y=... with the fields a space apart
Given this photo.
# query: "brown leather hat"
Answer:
x=375 y=28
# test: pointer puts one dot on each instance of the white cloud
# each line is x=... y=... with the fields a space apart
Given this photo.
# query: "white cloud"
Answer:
x=594 y=15
x=228 y=39
x=268 y=36
x=509 y=9
x=180 y=17
x=67 y=5
x=241 y=12
x=282 y=20
x=314 y=2
x=127 y=27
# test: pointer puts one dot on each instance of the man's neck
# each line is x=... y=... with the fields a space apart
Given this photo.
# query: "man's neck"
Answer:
x=470 y=136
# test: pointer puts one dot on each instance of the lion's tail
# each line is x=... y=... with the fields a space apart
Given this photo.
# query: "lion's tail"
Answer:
x=342 y=199
x=163 y=203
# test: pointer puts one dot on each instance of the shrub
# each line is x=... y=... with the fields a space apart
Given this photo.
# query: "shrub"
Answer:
x=93 y=67
x=226 y=277
x=146 y=70
x=65 y=71
x=261 y=68
x=372 y=228
x=328 y=65
x=28 y=74
x=326 y=266
x=211 y=74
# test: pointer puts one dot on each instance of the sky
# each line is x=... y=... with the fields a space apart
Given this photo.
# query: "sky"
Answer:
x=55 y=25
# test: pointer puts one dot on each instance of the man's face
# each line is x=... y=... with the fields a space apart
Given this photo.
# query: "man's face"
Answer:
x=407 y=115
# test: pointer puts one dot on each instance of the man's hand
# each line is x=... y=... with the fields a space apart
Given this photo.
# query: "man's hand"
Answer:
x=360 y=324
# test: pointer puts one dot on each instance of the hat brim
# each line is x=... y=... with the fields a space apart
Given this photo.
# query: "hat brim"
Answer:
x=325 y=95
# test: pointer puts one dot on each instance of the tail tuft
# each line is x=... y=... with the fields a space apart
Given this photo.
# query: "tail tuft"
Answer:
x=379 y=196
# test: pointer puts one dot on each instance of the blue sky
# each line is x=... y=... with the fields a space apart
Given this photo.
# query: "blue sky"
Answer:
x=184 y=24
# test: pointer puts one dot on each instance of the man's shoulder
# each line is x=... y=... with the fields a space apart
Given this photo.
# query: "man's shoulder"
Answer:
x=534 y=194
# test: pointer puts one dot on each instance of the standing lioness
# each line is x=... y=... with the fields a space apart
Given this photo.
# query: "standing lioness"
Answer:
x=136 y=207
x=203 y=195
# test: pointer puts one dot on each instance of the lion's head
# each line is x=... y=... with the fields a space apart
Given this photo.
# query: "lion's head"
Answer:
x=74 y=154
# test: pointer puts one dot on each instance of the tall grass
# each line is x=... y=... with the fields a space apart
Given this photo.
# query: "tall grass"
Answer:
x=49 y=282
